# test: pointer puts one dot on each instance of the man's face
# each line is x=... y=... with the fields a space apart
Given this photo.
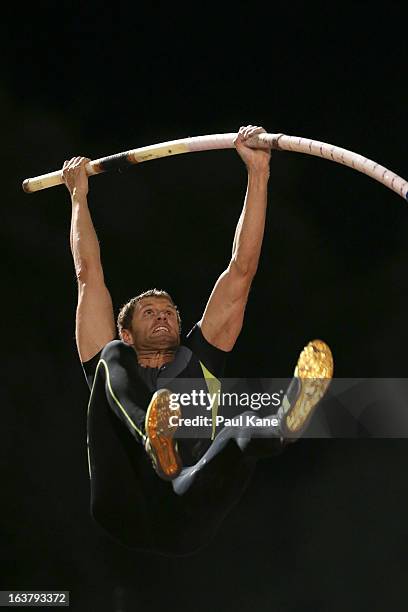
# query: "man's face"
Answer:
x=155 y=324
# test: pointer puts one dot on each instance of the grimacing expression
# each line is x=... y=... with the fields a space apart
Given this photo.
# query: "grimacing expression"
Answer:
x=155 y=324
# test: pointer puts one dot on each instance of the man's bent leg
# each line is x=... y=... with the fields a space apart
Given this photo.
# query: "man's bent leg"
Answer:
x=127 y=396
x=144 y=413
x=312 y=377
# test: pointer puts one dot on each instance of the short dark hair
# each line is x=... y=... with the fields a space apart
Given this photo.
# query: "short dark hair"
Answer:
x=125 y=315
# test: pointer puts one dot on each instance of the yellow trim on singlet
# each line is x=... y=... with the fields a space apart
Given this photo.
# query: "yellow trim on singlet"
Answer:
x=213 y=386
x=103 y=362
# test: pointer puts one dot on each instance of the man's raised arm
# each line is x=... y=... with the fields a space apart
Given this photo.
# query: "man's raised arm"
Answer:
x=95 y=323
x=224 y=313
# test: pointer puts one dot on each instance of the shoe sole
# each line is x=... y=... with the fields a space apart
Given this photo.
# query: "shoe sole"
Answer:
x=314 y=371
x=161 y=435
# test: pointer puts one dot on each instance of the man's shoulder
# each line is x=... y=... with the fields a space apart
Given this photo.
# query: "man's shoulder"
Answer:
x=89 y=366
x=213 y=358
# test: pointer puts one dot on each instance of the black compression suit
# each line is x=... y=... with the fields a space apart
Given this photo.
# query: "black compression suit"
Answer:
x=129 y=501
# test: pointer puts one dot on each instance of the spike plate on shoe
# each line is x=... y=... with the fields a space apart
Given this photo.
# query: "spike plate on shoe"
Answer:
x=314 y=372
x=161 y=445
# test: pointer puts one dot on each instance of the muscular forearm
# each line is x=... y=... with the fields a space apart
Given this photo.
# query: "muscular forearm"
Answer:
x=250 y=229
x=84 y=242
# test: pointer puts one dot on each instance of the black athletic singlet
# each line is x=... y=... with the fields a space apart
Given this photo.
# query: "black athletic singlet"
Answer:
x=128 y=499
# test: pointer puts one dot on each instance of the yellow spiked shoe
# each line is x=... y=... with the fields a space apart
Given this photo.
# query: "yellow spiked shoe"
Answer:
x=312 y=377
x=161 y=426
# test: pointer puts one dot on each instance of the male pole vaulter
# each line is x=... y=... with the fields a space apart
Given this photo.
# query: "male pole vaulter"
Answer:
x=128 y=402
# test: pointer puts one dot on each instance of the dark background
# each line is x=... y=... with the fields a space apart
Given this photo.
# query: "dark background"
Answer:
x=322 y=527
